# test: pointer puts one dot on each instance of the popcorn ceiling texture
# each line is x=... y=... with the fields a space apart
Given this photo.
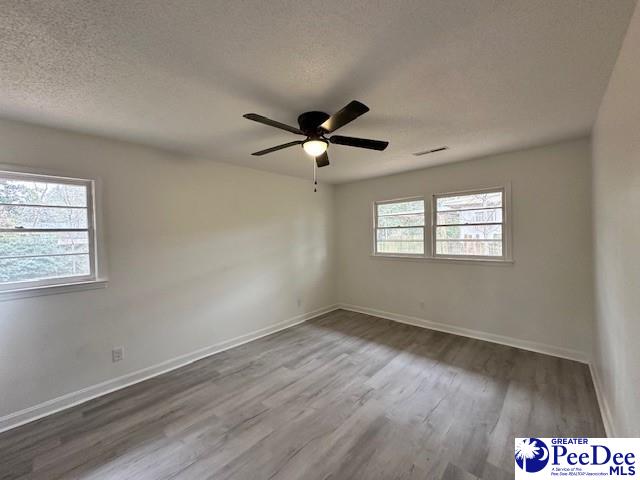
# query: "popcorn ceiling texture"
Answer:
x=479 y=76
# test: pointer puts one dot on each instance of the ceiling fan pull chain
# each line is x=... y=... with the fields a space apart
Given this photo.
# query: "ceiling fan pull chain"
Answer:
x=315 y=176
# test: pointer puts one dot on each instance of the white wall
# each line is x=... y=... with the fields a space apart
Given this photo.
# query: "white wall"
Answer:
x=616 y=190
x=198 y=252
x=201 y=252
x=545 y=297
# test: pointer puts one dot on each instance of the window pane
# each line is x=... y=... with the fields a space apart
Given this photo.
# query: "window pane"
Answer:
x=466 y=202
x=401 y=221
x=400 y=240
x=462 y=229
x=21 y=243
x=408 y=247
x=42 y=193
x=470 y=232
x=489 y=248
x=493 y=215
x=413 y=206
x=402 y=234
x=40 y=268
x=42 y=217
x=390 y=239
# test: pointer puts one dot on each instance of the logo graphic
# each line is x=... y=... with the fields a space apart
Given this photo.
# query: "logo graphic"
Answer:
x=532 y=454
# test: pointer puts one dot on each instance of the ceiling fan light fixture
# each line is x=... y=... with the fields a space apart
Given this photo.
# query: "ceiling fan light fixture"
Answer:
x=315 y=147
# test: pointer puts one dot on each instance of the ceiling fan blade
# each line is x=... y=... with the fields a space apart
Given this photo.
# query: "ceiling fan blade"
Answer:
x=276 y=148
x=272 y=123
x=359 y=142
x=349 y=113
x=322 y=160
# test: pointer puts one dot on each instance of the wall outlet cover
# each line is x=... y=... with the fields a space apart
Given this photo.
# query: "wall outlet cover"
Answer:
x=117 y=354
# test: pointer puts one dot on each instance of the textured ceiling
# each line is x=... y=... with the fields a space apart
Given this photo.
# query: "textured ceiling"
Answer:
x=480 y=76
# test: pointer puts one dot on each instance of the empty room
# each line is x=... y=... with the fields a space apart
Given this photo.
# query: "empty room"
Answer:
x=286 y=240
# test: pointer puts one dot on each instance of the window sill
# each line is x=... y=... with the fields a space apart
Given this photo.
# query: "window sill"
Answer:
x=422 y=258
x=52 y=289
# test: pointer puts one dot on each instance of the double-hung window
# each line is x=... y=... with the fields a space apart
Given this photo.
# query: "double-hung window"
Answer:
x=470 y=225
x=399 y=227
x=47 y=234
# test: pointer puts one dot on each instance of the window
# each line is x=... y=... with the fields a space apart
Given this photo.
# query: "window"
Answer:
x=46 y=231
x=470 y=224
x=399 y=227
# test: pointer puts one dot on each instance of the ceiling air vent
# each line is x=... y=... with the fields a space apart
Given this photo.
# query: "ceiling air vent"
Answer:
x=433 y=150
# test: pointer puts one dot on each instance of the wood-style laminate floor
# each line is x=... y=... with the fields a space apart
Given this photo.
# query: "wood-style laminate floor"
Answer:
x=345 y=396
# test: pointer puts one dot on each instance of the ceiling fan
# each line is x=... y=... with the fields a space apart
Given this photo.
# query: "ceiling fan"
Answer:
x=315 y=126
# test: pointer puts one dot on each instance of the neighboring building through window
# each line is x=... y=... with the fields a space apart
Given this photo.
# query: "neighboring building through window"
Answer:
x=470 y=224
x=46 y=231
x=399 y=227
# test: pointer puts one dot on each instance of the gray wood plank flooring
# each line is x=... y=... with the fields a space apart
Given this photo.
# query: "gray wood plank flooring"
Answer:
x=345 y=396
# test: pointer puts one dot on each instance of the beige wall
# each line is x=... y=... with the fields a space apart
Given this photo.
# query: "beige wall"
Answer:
x=198 y=252
x=544 y=297
x=616 y=187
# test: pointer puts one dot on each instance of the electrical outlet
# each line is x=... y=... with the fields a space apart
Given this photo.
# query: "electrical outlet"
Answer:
x=299 y=302
x=117 y=354
x=421 y=305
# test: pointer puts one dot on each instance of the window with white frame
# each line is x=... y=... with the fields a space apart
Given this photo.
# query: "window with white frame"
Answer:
x=46 y=231
x=399 y=227
x=470 y=224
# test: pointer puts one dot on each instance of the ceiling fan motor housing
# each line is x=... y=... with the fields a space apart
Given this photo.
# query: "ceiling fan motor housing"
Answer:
x=310 y=122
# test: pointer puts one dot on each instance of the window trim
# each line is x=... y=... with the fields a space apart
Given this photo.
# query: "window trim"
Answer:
x=429 y=230
x=506 y=224
x=38 y=287
x=375 y=227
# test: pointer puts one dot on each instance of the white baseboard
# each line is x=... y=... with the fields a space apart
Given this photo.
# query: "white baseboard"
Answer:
x=605 y=411
x=477 y=334
x=72 y=399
